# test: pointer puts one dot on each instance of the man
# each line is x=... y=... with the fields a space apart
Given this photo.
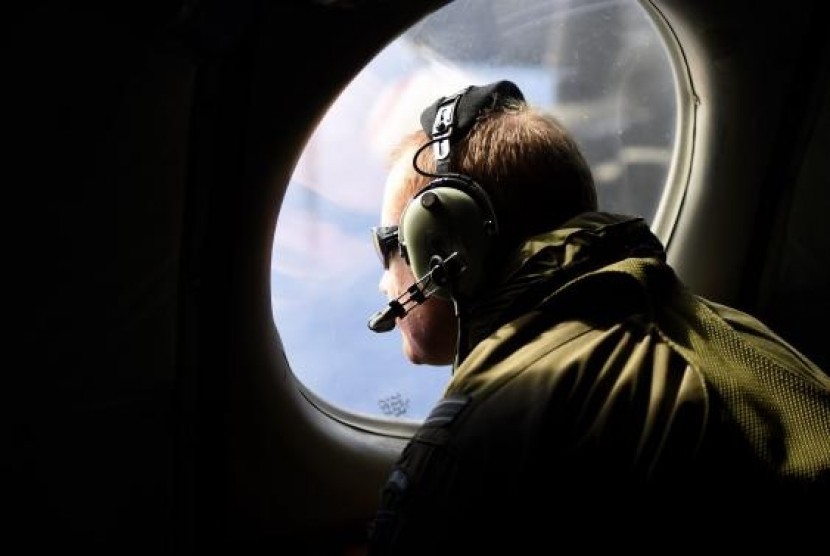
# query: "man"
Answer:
x=595 y=402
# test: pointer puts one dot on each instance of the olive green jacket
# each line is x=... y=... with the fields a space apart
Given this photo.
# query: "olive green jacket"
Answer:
x=596 y=400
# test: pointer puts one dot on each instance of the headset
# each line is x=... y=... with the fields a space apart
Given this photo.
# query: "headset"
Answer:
x=449 y=228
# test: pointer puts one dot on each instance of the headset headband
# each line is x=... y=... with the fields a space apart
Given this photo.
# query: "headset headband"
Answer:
x=450 y=118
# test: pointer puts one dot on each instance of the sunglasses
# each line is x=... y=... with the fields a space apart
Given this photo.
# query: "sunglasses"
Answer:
x=385 y=239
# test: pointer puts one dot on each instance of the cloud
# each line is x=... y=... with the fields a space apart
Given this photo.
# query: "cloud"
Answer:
x=318 y=252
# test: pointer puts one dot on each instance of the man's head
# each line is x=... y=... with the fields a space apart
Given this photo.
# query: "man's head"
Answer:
x=534 y=175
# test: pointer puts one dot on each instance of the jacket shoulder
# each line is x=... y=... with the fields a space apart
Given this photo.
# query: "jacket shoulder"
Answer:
x=618 y=392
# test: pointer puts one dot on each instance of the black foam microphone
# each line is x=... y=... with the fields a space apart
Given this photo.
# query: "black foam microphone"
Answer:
x=384 y=320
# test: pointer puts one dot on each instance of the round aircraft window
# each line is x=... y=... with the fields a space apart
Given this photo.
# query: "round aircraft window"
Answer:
x=603 y=68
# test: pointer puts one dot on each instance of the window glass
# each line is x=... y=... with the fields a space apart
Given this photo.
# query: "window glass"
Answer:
x=600 y=66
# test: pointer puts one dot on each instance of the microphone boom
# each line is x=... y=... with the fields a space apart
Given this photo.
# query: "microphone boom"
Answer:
x=384 y=320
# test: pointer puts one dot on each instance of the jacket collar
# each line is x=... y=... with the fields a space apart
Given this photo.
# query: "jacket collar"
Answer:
x=542 y=264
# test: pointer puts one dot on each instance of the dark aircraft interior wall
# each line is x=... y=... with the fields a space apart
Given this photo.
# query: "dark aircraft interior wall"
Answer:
x=150 y=144
x=794 y=286
x=99 y=104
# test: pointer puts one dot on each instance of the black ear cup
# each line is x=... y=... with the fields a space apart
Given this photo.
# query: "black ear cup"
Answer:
x=448 y=229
